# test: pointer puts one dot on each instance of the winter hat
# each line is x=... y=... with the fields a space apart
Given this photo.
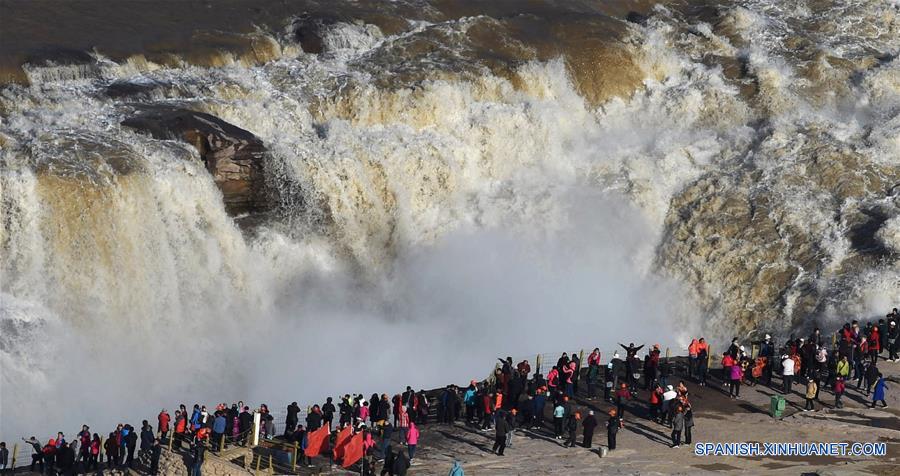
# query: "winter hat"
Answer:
x=768 y=337
x=669 y=387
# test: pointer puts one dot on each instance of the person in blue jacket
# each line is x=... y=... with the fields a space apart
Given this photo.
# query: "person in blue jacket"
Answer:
x=878 y=395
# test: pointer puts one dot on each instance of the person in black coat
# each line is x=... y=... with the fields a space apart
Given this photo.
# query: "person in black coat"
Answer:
x=588 y=426
x=65 y=460
x=572 y=427
x=147 y=437
x=155 y=452
x=314 y=419
x=245 y=422
x=388 y=468
x=612 y=428
x=501 y=427
x=131 y=444
x=401 y=464
x=290 y=422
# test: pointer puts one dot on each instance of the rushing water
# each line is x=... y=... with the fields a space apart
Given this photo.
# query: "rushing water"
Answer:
x=450 y=183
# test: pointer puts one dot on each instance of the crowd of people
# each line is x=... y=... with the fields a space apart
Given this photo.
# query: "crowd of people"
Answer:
x=364 y=432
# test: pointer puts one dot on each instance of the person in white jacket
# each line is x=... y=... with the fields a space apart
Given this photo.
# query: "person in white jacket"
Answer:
x=787 y=375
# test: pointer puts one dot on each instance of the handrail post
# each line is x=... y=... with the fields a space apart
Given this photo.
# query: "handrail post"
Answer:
x=537 y=364
x=15 y=455
x=222 y=443
x=294 y=459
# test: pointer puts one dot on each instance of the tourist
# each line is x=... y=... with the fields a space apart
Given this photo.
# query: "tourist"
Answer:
x=219 y=424
x=328 y=410
x=314 y=419
x=4 y=457
x=668 y=406
x=688 y=421
x=893 y=341
x=878 y=395
x=65 y=459
x=162 y=424
x=572 y=426
x=839 y=389
x=811 y=389
x=487 y=410
x=575 y=364
x=736 y=374
x=37 y=455
x=412 y=439
x=587 y=429
x=702 y=362
x=469 y=400
x=94 y=460
x=553 y=380
x=84 y=438
x=569 y=378
x=612 y=427
x=401 y=464
x=389 y=457
x=292 y=418
x=500 y=427
x=787 y=373
x=112 y=451
x=655 y=401
x=677 y=426
x=622 y=394
x=198 y=455
x=693 y=355
x=456 y=470
x=403 y=424
x=155 y=453
x=147 y=437
x=593 y=372
x=130 y=441
x=558 y=414
x=872 y=374
x=511 y=426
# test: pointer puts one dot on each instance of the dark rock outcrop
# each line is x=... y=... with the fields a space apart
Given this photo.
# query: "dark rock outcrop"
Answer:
x=232 y=155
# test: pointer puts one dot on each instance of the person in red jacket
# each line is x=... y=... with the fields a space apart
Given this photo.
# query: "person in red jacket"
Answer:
x=839 y=388
x=180 y=427
x=487 y=403
x=656 y=402
x=874 y=344
x=163 y=427
x=622 y=394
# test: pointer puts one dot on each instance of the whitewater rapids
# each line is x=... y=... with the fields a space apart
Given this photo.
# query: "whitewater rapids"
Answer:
x=445 y=192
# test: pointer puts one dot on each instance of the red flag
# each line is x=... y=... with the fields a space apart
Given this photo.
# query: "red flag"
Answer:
x=341 y=441
x=353 y=451
x=317 y=441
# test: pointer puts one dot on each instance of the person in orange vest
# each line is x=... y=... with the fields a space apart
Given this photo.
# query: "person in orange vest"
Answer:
x=693 y=355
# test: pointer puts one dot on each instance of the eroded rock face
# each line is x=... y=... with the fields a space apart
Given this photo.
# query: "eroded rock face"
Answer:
x=780 y=246
x=233 y=156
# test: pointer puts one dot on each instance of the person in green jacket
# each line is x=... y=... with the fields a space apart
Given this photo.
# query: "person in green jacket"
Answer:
x=843 y=368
